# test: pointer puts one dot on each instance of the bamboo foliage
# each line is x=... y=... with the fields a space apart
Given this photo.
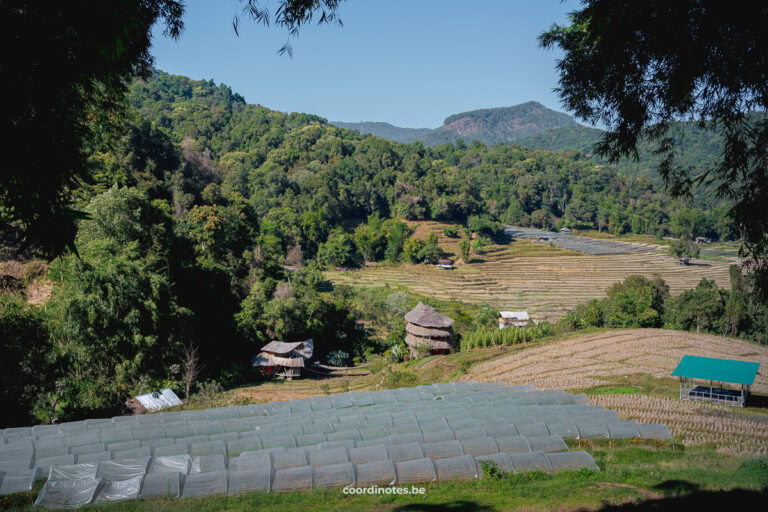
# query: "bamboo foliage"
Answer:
x=489 y=336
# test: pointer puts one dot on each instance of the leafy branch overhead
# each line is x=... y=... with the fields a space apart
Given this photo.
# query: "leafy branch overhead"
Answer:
x=290 y=14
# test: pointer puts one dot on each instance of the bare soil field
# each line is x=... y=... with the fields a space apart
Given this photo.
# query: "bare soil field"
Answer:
x=613 y=357
x=524 y=275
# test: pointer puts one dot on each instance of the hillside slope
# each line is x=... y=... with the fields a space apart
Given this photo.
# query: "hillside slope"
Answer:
x=387 y=131
x=534 y=126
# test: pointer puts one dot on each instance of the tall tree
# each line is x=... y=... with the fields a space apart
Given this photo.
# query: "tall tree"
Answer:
x=65 y=79
x=65 y=75
x=637 y=68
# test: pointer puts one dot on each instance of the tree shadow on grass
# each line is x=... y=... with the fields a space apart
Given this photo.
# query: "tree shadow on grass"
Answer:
x=682 y=495
x=758 y=401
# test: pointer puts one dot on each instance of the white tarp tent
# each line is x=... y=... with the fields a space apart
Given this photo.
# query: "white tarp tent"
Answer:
x=159 y=400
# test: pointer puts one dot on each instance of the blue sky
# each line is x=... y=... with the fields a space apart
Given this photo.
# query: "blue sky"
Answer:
x=408 y=62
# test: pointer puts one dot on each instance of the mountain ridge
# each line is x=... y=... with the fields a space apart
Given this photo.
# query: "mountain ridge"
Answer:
x=489 y=125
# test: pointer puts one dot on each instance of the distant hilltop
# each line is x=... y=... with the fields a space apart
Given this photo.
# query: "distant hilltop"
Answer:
x=489 y=126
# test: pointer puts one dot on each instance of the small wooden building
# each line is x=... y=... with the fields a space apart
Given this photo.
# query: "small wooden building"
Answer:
x=284 y=359
x=514 y=319
x=428 y=330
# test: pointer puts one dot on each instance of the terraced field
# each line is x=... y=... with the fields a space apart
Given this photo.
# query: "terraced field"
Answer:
x=524 y=275
x=607 y=359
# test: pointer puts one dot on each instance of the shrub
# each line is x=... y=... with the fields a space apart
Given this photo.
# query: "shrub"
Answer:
x=420 y=350
x=485 y=316
x=209 y=392
x=572 y=321
x=401 y=379
x=593 y=313
x=479 y=244
x=464 y=365
x=398 y=352
x=491 y=470
x=451 y=232
x=337 y=358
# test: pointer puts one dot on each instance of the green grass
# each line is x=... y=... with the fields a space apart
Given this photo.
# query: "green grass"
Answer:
x=628 y=472
x=713 y=257
x=640 y=383
x=621 y=390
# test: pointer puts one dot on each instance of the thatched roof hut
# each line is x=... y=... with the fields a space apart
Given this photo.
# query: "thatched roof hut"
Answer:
x=284 y=359
x=428 y=330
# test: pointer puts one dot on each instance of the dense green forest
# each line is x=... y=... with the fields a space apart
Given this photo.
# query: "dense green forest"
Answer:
x=696 y=148
x=534 y=126
x=208 y=221
x=273 y=160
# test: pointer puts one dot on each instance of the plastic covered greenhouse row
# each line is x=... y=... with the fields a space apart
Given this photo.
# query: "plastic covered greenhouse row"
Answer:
x=423 y=434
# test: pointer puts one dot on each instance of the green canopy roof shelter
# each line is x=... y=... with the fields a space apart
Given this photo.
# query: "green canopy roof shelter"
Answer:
x=717 y=372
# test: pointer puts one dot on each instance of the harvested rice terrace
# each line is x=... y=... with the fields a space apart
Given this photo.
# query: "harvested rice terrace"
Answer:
x=546 y=283
x=643 y=358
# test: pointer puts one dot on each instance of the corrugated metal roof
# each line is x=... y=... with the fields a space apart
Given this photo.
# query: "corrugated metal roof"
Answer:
x=720 y=370
x=304 y=348
x=280 y=347
x=517 y=315
x=159 y=400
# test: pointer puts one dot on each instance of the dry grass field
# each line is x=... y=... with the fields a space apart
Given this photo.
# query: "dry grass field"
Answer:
x=524 y=275
x=637 y=364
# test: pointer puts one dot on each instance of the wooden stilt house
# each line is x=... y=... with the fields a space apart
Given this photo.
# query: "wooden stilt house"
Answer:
x=284 y=359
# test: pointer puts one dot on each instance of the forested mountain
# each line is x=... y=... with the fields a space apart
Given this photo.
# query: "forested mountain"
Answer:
x=489 y=126
x=534 y=126
x=195 y=209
